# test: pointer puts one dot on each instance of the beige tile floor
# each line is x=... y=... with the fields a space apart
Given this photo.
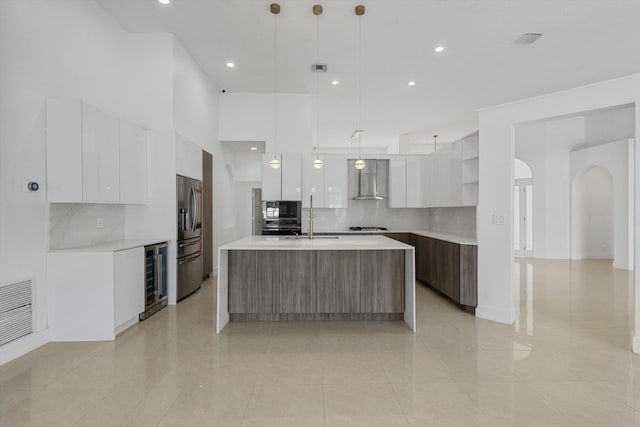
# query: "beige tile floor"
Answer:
x=566 y=361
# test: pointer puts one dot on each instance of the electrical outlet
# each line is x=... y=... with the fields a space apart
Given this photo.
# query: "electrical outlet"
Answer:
x=99 y=222
x=498 y=220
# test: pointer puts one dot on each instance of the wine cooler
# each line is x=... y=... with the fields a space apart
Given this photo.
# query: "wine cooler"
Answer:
x=155 y=279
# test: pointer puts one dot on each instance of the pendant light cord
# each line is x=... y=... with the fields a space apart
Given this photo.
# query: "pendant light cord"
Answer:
x=275 y=85
x=317 y=88
x=359 y=86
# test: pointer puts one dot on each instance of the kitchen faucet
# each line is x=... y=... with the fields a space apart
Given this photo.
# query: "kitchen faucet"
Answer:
x=311 y=217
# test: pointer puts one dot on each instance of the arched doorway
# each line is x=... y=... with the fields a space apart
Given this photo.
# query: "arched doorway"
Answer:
x=522 y=210
x=592 y=215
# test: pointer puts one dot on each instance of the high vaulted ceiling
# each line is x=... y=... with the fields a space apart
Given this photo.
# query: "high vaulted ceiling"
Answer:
x=584 y=41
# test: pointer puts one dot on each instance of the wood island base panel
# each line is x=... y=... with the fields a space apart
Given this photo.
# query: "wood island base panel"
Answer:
x=342 y=279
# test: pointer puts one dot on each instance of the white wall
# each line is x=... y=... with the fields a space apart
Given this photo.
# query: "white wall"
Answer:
x=588 y=197
x=70 y=49
x=249 y=117
x=592 y=215
x=497 y=137
x=545 y=147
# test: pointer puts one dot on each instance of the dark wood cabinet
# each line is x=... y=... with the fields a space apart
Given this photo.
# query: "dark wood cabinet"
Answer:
x=378 y=269
x=450 y=268
x=290 y=284
x=338 y=281
x=296 y=271
x=253 y=282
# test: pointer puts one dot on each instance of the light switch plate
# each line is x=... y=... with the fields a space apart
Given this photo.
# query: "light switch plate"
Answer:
x=99 y=222
x=498 y=220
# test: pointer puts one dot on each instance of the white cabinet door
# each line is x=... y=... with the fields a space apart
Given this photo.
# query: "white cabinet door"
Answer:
x=128 y=282
x=420 y=182
x=441 y=183
x=133 y=164
x=291 y=177
x=271 y=179
x=398 y=183
x=64 y=151
x=455 y=174
x=100 y=156
x=312 y=183
x=335 y=182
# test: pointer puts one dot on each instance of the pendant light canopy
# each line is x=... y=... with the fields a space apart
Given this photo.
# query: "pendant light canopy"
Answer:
x=275 y=10
x=359 y=164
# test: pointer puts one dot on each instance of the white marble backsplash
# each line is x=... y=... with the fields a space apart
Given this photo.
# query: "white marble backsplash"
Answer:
x=365 y=213
x=460 y=221
x=72 y=225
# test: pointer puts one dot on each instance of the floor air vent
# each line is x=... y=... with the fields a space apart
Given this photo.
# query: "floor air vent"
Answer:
x=15 y=311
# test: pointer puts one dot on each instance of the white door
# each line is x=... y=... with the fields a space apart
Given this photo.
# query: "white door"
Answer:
x=523 y=218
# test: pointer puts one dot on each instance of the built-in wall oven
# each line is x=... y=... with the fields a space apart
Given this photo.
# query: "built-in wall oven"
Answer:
x=281 y=217
x=189 y=223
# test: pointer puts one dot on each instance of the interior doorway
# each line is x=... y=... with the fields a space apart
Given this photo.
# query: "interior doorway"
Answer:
x=592 y=215
x=522 y=210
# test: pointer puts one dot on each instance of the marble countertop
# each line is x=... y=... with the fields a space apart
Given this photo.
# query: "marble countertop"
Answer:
x=112 y=246
x=318 y=243
x=461 y=240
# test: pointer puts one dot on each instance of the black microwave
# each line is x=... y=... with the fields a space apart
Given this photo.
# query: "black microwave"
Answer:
x=282 y=210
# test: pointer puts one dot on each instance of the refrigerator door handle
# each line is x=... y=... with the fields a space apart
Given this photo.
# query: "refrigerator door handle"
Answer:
x=192 y=206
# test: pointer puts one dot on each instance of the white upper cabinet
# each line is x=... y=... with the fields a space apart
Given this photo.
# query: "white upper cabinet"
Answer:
x=133 y=164
x=84 y=159
x=64 y=151
x=420 y=182
x=100 y=156
x=448 y=175
x=335 y=182
x=271 y=179
x=291 y=177
x=398 y=183
x=284 y=183
x=312 y=183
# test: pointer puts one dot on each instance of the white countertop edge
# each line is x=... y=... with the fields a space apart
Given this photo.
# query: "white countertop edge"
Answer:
x=343 y=243
x=111 y=246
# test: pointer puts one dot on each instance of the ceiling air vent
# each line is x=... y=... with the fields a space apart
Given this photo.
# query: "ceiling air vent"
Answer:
x=319 y=68
x=528 y=38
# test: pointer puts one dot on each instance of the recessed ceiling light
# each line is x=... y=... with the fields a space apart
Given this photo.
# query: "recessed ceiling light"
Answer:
x=254 y=148
x=439 y=49
x=411 y=83
x=164 y=1
x=335 y=82
x=231 y=64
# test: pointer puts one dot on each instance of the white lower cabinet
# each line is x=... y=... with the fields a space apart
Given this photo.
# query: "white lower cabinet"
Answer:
x=94 y=295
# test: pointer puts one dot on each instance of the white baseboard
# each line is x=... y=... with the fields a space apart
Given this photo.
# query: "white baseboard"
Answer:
x=496 y=314
x=635 y=344
x=214 y=273
x=22 y=346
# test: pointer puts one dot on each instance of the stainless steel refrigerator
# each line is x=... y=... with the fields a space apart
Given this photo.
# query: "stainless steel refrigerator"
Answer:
x=189 y=223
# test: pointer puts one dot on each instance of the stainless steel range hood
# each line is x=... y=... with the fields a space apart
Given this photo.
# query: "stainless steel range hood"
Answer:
x=369 y=183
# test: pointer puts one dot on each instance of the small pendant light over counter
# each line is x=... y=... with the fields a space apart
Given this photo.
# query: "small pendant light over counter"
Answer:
x=317 y=162
x=275 y=10
x=359 y=163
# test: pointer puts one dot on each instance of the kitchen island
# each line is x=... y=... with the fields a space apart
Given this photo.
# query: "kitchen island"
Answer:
x=265 y=278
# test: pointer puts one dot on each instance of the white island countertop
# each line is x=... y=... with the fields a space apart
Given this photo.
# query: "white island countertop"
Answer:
x=344 y=242
x=112 y=246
